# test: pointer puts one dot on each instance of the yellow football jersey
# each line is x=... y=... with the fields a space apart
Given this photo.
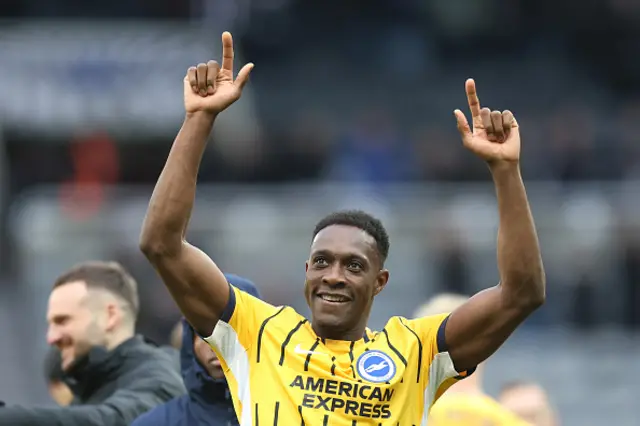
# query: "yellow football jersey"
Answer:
x=281 y=373
x=458 y=409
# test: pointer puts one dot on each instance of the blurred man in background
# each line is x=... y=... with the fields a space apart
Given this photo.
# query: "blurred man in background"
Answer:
x=465 y=403
x=529 y=401
x=208 y=402
x=114 y=375
x=54 y=376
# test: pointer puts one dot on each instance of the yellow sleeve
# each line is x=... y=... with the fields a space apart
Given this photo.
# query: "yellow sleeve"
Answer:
x=440 y=372
x=236 y=341
x=240 y=323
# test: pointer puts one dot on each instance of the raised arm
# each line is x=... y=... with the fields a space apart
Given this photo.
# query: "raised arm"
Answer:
x=478 y=328
x=195 y=282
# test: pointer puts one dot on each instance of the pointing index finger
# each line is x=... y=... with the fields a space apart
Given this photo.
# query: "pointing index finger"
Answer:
x=227 y=52
x=472 y=98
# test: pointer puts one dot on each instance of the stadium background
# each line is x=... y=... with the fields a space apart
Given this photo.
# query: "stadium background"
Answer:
x=350 y=105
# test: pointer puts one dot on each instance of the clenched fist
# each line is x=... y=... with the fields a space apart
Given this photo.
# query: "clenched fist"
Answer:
x=495 y=136
x=212 y=89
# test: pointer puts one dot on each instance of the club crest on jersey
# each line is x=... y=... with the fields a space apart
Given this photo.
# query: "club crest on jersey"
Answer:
x=376 y=367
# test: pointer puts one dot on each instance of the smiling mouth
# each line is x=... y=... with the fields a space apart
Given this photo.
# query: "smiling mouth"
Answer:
x=333 y=298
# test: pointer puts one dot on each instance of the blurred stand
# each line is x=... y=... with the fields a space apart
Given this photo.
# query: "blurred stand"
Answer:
x=443 y=238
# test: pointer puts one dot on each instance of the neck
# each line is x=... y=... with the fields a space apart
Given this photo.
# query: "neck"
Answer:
x=119 y=337
x=334 y=333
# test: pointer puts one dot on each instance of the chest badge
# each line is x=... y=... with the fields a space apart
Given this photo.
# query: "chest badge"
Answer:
x=376 y=366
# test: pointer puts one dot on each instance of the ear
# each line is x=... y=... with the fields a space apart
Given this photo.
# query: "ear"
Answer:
x=381 y=281
x=114 y=316
x=306 y=266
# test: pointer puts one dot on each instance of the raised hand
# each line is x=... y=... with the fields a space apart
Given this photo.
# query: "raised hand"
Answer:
x=495 y=136
x=212 y=89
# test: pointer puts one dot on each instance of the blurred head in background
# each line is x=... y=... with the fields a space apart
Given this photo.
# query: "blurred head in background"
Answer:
x=93 y=304
x=53 y=374
x=530 y=402
x=207 y=358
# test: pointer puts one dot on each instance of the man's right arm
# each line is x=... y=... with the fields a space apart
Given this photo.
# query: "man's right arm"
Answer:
x=195 y=282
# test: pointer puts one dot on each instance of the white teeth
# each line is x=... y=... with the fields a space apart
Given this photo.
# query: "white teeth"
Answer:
x=333 y=298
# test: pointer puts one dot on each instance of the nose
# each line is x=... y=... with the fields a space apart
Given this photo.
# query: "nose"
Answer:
x=334 y=276
x=53 y=336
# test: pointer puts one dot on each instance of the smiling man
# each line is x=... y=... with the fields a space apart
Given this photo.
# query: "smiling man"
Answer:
x=114 y=375
x=285 y=370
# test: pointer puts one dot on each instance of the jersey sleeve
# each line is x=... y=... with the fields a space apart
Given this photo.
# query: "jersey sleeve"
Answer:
x=239 y=325
x=440 y=372
x=235 y=340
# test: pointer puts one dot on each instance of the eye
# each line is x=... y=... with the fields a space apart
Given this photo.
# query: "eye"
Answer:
x=354 y=266
x=61 y=320
x=320 y=261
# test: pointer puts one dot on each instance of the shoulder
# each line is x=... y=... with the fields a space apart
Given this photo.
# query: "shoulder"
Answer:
x=431 y=322
x=152 y=362
x=150 y=356
x=245 y=305
x=278 y=318
x=417 y=326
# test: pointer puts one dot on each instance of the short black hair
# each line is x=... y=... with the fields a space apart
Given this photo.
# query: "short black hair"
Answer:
x=362 y=220
x=53 y=366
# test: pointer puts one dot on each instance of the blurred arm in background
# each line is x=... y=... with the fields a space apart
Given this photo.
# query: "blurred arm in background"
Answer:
x=479 y=327
x=124 y=406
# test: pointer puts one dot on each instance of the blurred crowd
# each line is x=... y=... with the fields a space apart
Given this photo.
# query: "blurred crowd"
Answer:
x=365 y=91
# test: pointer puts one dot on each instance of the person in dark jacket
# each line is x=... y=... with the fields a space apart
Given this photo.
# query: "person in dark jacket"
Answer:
x=114 y=375
x=208 y=402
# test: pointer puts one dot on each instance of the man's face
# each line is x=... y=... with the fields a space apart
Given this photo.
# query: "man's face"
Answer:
x=74 y=323
x=529 y=403
x=343 y=276
x=207 y=358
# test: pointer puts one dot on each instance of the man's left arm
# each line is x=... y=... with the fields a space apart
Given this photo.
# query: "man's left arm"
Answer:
x=121 y=409
x=478 y=328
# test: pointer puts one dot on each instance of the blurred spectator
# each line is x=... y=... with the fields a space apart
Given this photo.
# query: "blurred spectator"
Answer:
x=529 y=401
x=114 y=375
